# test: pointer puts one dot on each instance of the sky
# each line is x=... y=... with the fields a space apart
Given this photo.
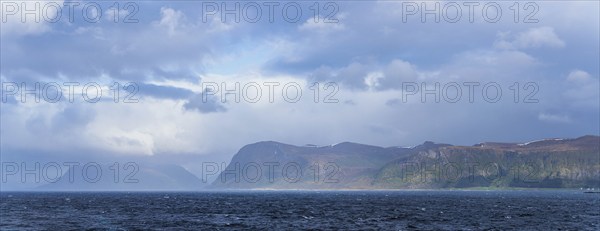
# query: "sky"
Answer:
x=386 y=75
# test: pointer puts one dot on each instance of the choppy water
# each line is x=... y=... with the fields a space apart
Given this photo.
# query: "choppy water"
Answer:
x=389 y=210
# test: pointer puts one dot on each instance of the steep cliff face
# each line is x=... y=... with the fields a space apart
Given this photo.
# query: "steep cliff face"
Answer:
x=553 y=163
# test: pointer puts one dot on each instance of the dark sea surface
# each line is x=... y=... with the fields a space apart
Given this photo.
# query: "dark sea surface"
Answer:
x=347 y=210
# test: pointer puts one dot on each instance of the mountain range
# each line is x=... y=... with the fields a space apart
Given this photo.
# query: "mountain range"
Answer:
x=549 y=163
x=138 y=177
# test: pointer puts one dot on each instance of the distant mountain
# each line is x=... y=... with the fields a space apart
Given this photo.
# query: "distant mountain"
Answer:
x=138 y=178
x=550 y=163
x=277 y=165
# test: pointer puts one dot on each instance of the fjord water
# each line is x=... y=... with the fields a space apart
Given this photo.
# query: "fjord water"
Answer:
x=389 y=210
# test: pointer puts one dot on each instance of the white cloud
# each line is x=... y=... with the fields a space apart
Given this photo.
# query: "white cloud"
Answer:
x=372 y=80
x=579 y=76
x=539 y=37
x=533 y=38
x=581 y=89
x=553 y=118
x=33 y=24
x=170 y=19
x=398 y=71
x=490 y=65
x=321 y=24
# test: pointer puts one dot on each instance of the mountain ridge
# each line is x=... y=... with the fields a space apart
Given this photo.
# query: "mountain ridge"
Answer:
x=547 y=163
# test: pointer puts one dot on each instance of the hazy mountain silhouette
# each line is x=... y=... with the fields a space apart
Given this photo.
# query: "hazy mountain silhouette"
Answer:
x=154 y=178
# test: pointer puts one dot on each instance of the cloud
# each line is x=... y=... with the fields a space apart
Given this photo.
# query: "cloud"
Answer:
x=539 y=37
x=532 y=38
x=170 y=51
x=54 y=127
x=579 y=76
x=372 y=80
x=165 y=92
x=33 y=24
x=553 y=118
x=124 y=51
x=323 y=25
x=204 y=102
x=170 y=19
x=368 y=74
x=71 y=119
x=353 y=75
x=581 y=89
x=490 y=65
x=396 y=73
